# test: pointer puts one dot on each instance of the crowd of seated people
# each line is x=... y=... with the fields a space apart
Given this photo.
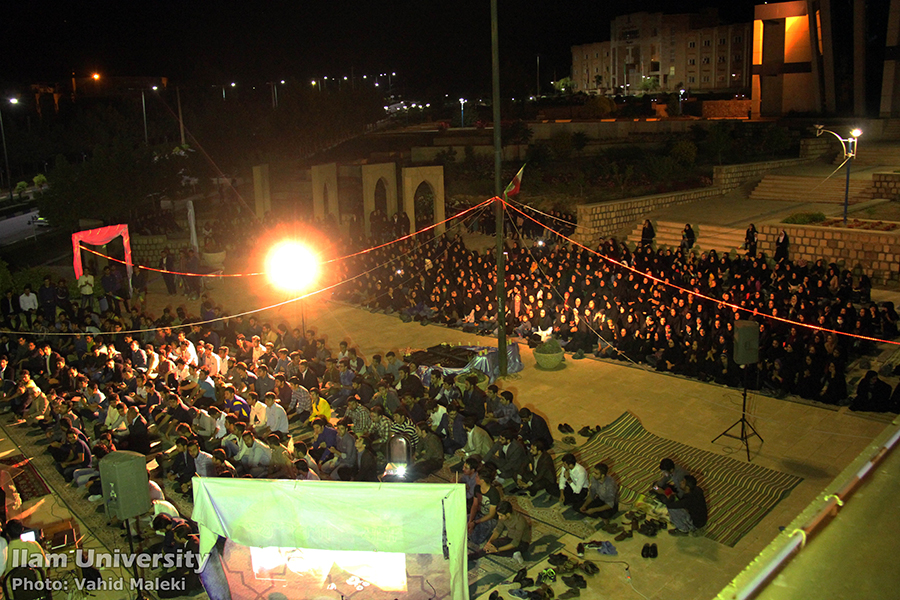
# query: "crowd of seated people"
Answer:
x=641 y=305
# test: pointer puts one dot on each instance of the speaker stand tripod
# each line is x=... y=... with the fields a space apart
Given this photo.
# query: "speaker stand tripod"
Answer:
x=747 y=430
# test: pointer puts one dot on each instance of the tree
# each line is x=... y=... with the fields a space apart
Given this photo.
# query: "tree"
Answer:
x=579 y=141
x=566 y=85
x=598 y=107
x=718 y=140
x=598 y=81
x=39 y=182
x=684 y=153
x=21 y=188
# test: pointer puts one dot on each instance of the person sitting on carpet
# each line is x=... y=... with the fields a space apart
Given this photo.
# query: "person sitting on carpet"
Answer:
x=255 y=456
x=508 y=455
x=343 y=451
x=429 y=453
x=483 y=514
x=573 y=482
x=511 y=536
x=539 y=474
x=478 y=441
x=688 y=513
x=534 y=427
x=603 y=496
x=671 y=476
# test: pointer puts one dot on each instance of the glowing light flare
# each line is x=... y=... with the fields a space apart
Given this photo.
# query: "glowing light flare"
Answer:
x=291 y=266
x=856 y=133
x=96 y=76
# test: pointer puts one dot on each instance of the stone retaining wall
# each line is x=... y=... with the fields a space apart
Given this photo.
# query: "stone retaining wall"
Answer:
x=145 y=249
x=731 y=176
x=603 y=219
x=886 y=185
x=818 y=146
x=877 y=253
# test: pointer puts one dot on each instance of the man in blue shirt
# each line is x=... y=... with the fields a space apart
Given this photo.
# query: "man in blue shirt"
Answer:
x=79 y=456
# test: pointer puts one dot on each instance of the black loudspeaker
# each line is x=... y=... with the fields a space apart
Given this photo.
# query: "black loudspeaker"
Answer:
x=126 y=484
x=746 y=342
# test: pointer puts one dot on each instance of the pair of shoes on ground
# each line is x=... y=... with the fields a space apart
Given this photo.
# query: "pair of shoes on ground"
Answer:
x=586 y=431
x=625 y=535
x=565 y=428
x=649 y=551
x=575 y=581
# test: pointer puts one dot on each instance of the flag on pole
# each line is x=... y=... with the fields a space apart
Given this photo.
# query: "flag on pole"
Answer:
x=513 y=188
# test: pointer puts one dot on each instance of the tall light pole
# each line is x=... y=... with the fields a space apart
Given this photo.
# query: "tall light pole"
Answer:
x=5 y=154
x=849 y=146
x=462 y=112
x=498 y=205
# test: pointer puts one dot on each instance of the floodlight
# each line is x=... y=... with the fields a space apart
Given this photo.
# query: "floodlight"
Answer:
x=292 y=266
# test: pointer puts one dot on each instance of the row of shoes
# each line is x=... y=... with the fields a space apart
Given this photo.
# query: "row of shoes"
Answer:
x=586 y=431
x=649 y=551
x=643 y=525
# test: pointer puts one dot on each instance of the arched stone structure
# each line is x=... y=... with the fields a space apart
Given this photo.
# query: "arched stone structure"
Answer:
x=371 y=174
x=325 y=177
x=434 y=176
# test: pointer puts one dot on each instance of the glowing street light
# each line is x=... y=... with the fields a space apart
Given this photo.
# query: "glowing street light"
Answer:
x=462 y=112
x=849 y=146
x=96 y=76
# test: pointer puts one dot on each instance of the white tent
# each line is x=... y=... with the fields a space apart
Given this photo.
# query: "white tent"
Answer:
x=411 y=518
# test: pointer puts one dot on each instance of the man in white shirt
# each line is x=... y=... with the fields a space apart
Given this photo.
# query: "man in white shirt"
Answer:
x=276 y=418
x=86 y=287
x=573 y=482
x=28 y=302
x=257 y=413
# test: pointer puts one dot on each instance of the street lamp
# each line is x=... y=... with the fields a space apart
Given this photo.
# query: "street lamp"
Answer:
x=462 y=112
x=5 y=155
x=849 y=146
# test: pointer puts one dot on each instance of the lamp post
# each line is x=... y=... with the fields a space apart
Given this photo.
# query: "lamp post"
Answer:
x=462 y=112
x=5 y=154
x=849 y=146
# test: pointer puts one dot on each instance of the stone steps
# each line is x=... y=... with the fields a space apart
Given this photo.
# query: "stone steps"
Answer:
x=788 y=188
x=708 y=237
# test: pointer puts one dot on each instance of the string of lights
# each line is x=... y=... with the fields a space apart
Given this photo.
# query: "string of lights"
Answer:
x=717 y=301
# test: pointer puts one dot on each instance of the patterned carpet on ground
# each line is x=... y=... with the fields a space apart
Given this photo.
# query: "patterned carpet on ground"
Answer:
x=25 y=477
x=739 y=494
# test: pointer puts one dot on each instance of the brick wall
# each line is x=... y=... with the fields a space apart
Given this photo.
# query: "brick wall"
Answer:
x=886 y=185
x=603 y=219
x=722 y=109
x=877 y=253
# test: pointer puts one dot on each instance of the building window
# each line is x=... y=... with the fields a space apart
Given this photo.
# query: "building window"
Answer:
x=692 y=44
x=721 y=58
x=738 y=39
x=692 y=79
x=738 y=57
x=692 y=61
x=706 y=79
x=722 y=41
x=707 y=42
x=705 y=60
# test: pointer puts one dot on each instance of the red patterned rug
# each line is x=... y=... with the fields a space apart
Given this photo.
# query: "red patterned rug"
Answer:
x=26 y=478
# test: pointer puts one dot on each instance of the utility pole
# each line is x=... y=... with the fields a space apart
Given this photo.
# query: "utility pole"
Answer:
x=498 y=203
x=180 y=118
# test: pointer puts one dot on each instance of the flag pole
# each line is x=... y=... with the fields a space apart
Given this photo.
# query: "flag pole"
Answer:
x=498 y=203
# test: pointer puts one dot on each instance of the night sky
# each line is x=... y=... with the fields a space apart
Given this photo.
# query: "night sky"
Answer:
x=432 y=45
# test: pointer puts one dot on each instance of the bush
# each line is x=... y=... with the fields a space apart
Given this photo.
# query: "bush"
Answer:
x=551 y=346
x=804 y=218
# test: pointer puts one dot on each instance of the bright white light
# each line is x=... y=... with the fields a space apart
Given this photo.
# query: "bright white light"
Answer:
x=13 y=100
x=154 y=88
x=291 y=266
x=393 y=74
x=856 y=133
x=376 y=84
x=364 y=77
x=282 y=82
x=345 y=78
x=233 y=84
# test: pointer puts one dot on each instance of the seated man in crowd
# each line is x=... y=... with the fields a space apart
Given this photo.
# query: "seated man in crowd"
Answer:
x=255 y=456
x=511 y=536
x=429 y=455
x=508 y=455
x=603 y=497
x=534 y=428
x=539 y=474
x=688 y=512
x=573 y=482
x=671 y=476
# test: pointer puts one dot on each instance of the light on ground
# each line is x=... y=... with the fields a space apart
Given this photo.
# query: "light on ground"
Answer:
x=291 y=266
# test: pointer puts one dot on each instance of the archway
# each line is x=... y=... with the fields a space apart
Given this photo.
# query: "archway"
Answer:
x=381 y=196
x=424 y=203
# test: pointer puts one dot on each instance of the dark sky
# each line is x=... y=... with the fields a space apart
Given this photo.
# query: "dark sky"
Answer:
x=432 y=45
